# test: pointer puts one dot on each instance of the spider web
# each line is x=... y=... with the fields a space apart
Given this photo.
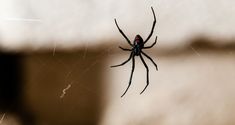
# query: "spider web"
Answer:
x=69 y=84
x=2 y=118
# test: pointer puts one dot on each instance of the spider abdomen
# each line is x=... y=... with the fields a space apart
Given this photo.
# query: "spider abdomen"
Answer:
x=137 y=50
x=138 y=45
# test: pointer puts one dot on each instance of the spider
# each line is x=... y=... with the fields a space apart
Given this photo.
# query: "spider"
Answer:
x=136 y=50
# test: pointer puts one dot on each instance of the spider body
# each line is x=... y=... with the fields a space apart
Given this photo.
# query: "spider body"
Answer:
x=136 y=50
x=138 y=45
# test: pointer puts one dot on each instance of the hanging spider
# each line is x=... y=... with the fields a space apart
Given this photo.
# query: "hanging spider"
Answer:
x=136 y=50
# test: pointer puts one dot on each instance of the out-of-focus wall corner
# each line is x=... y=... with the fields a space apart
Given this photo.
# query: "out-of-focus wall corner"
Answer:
x=53 y=87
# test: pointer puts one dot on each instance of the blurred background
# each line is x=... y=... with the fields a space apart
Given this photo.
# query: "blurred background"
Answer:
x=55 y=59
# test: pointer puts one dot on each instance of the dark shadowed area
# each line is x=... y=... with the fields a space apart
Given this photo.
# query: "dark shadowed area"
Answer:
x=11 y=87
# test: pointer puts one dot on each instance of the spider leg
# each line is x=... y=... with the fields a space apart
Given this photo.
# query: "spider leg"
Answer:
x=125 y=49
x=122 y=33
x=147 y=47
x=124 y=61
x=154 y=22
x=133 y=67
x=150 y=59
x=147 y=69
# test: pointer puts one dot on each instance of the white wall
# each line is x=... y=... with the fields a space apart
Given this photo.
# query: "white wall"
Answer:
x=44 y=23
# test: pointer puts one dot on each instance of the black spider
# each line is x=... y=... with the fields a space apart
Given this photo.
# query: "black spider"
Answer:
x=136 y=50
